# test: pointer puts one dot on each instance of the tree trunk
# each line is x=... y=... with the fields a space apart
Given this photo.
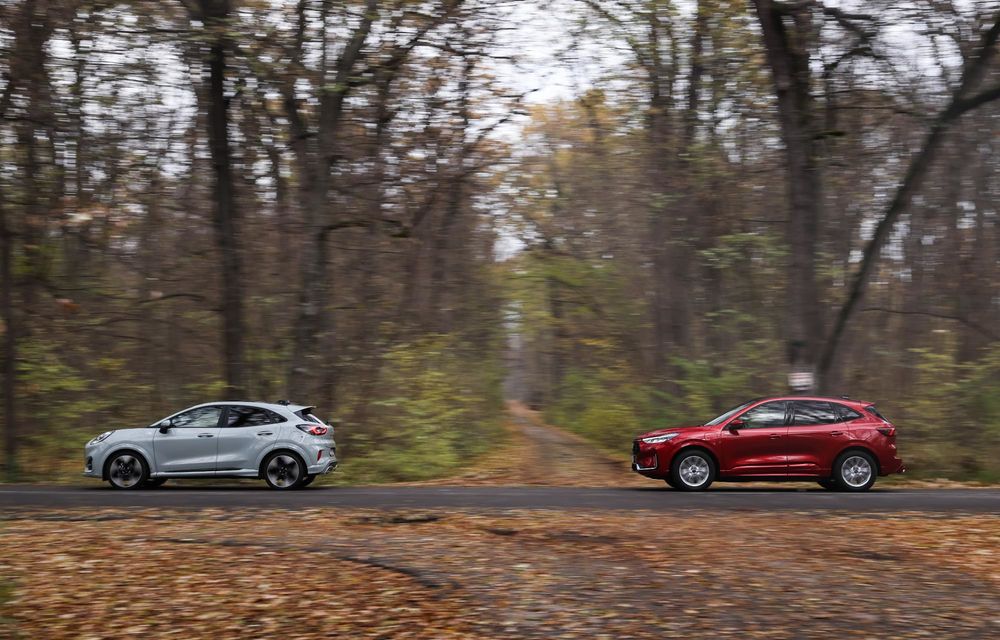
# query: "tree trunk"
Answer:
x=225 y=220
x=10 y=329
x=788 y=33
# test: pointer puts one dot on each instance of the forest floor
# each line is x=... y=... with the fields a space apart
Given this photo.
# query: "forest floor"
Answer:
x=322 y=573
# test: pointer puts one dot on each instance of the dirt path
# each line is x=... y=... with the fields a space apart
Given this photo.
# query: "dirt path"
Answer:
x=539 y=454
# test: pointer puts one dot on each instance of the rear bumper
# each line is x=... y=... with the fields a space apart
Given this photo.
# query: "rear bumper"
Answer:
x=326 y=463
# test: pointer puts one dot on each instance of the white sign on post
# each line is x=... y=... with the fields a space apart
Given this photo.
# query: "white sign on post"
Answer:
x=800 y=380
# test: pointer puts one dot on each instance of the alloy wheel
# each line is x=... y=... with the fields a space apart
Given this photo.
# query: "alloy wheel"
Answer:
x=125 y=471
x=283 y=471
x=694 y=471
x=856 y=471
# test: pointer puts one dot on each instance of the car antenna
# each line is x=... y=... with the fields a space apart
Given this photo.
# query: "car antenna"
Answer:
x=283 y=403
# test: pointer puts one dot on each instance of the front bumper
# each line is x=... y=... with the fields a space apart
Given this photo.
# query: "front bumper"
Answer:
x=647 y=458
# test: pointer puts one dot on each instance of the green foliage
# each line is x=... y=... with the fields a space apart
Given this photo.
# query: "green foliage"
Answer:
x=607 y=406
x=951 y=424
x=439 y=406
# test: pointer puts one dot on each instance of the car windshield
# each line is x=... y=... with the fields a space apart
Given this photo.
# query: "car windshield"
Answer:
x=729 y=414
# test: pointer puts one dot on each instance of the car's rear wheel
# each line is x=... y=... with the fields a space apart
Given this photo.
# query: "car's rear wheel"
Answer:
x=855 y=471
x=308 y=480
x=153 y=483
x=283 y=470
x=692 y=470
x=829 y=484
x=670 y=482
x=127 y=470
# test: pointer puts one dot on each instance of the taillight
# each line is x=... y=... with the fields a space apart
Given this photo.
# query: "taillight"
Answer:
x=886 y=431
x=313 y=429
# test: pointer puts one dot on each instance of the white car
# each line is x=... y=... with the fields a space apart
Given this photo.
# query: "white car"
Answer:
x=283 y=443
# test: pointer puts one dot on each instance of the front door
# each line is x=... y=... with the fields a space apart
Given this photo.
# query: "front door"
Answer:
x=191 y=442
x=249 y=432
x=758 y=447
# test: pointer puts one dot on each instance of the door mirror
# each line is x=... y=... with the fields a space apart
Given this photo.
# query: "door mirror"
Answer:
x=736 y=425
x=166 y=425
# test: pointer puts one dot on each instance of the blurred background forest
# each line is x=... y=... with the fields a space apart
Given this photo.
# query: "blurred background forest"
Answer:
x=625 y=213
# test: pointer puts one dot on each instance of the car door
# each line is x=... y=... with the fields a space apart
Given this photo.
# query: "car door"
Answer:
x=758 y=447
x=815 y=435
x=247 y=433
x=190 y=442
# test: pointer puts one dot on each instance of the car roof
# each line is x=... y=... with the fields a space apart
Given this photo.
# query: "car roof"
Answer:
x=254 y=403
x=841 y=399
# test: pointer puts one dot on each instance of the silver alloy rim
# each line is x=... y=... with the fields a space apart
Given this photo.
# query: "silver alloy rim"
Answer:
x=283 y=471
x=694 y=471
x=857 y=471
x=125 y=471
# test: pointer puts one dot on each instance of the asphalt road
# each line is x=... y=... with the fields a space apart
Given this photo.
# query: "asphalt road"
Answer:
x=721 y=498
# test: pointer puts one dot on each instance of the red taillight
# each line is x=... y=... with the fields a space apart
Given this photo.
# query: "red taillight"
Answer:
x=887 y=431
x=313 y=429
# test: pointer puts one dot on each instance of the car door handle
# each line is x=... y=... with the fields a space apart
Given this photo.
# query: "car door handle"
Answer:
x=265 y=433
x=836 y=433
x=775 y=436
x=206 y=435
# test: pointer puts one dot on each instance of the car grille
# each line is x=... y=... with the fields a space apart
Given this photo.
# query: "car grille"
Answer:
x=635 y=448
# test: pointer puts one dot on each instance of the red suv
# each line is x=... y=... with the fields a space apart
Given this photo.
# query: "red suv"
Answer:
x=843 y=444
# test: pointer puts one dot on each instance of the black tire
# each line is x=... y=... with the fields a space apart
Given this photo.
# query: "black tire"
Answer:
x=126 y=470
x=829 y=484
x=692 y=470
x=670 y=483
x=283 y=470
x=855 y=471
x=308 y=480
x=153 y=483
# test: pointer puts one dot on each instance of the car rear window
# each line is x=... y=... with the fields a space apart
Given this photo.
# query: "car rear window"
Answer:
x=309 y=416
x=872 y=410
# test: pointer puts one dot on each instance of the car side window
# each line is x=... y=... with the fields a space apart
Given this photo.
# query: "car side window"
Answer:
x=769 y=414
x=846 y=415
x=250 y=417
x=811 y=412
x=200 y=418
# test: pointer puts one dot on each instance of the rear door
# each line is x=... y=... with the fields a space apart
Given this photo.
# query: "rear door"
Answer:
x=191 y=444
x=247 y=434
x=757 y=449
x=815 y=435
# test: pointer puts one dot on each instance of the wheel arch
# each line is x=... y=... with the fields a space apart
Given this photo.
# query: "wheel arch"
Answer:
x=862 y=449
x=137 y=451
x=701 y=446
x=281 y=449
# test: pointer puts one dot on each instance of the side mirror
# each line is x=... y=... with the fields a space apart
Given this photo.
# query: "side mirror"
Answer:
x=166 y=425
x=736 y=425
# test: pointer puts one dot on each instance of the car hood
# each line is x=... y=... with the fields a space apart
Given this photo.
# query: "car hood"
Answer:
x=660 y=432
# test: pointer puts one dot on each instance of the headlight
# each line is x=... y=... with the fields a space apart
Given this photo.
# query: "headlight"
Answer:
x=101 y=438
x=660 y=439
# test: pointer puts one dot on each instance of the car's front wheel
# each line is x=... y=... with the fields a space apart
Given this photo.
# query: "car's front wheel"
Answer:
x=692 y=470
x=855 y=471
x=284 y=471
x=127 y=470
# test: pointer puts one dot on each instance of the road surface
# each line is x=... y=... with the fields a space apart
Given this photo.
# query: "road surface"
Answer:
x=720 y=498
